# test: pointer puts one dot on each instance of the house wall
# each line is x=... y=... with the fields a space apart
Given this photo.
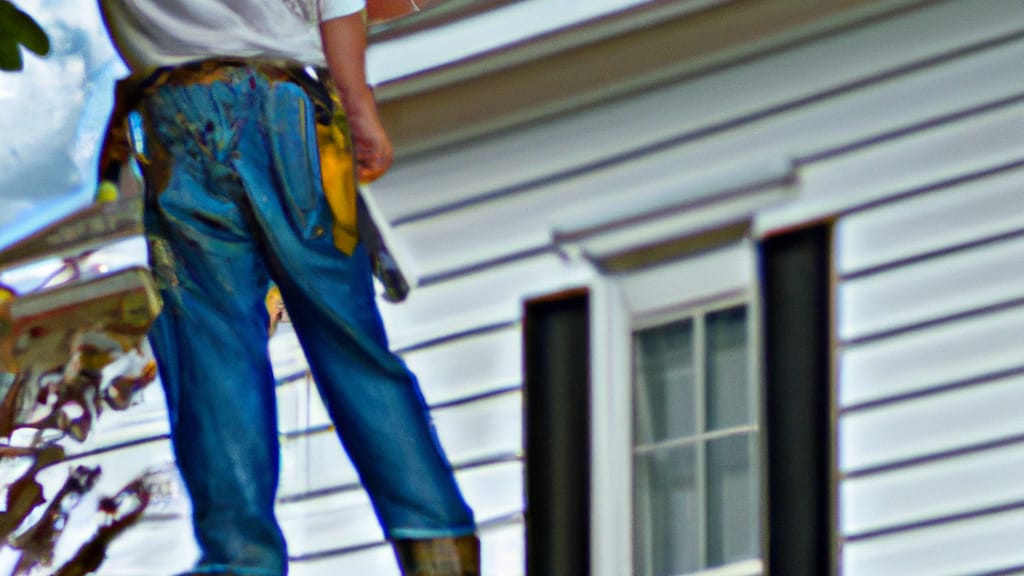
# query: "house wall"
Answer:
x=930 y=352
x=906 y=128
x=895 y=114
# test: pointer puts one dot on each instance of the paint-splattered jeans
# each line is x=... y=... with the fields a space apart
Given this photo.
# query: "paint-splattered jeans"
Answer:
x=235 y=200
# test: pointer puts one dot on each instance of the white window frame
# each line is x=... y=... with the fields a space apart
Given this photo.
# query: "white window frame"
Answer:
x=621 y=305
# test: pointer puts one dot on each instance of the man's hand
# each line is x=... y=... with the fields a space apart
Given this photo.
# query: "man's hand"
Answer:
x=373 y=151
x=344 y=44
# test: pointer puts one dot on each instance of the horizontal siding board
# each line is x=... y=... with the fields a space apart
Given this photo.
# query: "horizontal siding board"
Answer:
x=299 y=406
x=333 y=521
x=174 y=551
x=296 y=399
x=491 y=427
x=936 y=489
x=928 y=159
x=931 y=155
x=935 y=288
x=940 y=355
x=287 y=358
x=978 y=414
x=891 y=104
x=608 y=132
x=933 y=222
x=502 y=550
x=314 y=462
x=993 y=542
x=376 y=560
x=494 y=491
x=469 y=366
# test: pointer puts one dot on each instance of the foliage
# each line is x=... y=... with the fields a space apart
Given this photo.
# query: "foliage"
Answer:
x=19 y=29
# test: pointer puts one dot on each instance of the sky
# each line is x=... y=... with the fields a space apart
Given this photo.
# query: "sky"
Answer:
x=53 y=113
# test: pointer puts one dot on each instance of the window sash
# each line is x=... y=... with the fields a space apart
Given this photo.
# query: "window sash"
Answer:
x=648 y=446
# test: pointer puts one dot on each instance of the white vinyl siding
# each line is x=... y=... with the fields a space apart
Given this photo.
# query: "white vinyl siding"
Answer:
x=931 y=326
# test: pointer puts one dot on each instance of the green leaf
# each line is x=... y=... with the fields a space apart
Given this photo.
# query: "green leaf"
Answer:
x=31 y=35
x=10 y=56
x=18 y=28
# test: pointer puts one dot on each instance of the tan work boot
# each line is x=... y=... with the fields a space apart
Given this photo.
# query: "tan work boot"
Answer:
x=439 y=556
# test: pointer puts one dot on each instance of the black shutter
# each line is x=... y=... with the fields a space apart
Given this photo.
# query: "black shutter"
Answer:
x=557 y=434
x=800 y=515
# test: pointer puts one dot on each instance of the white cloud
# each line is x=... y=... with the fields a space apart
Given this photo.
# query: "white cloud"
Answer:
x=51 y=116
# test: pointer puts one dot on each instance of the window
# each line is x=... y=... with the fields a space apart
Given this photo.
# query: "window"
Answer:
x=695 y=452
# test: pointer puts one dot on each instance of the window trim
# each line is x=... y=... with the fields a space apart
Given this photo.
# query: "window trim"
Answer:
x=615 y=316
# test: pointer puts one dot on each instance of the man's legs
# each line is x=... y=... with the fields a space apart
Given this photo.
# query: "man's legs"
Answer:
x=211 y=339
x=373 y=399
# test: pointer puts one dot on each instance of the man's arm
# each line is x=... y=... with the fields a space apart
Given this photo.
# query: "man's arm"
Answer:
x=344 y=42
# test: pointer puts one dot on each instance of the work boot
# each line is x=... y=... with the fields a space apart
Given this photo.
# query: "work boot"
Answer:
x=439 y=556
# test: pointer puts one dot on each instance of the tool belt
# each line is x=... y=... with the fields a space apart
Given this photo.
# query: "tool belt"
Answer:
x=130 y=91
x=318 y=84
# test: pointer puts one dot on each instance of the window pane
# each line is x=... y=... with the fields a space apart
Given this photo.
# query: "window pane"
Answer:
x=665 y=383
x=727 y=365
x=732 y=500
x=666 y=512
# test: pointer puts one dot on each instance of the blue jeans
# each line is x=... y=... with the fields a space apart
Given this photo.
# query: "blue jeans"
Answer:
x=234 y=201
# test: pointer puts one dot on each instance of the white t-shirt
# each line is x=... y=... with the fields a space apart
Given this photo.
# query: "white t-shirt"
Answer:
x=152 y=33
